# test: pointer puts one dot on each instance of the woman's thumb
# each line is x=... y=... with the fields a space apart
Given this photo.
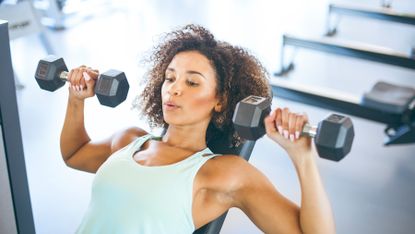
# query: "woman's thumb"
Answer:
x=90 y=82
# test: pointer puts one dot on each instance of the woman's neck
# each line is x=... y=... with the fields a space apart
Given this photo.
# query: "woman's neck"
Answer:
x=185 y=138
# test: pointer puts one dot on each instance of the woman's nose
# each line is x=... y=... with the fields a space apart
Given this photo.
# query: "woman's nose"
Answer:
x=175 y=89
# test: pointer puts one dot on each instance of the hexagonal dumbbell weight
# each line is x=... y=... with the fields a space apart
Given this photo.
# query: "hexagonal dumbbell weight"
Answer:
x=333 y=137
x=111 y=87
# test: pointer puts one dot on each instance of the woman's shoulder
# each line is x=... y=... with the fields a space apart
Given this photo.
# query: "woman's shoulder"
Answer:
x=226 y=171
x=126 y=136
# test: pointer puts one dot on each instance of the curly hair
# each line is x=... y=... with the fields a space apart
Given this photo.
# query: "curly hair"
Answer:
x=238 y=75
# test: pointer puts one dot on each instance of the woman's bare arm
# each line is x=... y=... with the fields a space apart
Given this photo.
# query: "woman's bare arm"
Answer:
x=315 y=214
x=271 y=212
x=257 y=197
x=264 y=205
x=77 y=149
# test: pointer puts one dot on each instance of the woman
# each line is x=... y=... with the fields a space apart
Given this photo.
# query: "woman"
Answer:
x=174 y=183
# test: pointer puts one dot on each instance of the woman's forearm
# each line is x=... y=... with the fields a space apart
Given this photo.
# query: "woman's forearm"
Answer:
x=73 y=135
x=315 y=213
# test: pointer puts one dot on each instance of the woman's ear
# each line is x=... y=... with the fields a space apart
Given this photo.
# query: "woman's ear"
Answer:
x=218 y=107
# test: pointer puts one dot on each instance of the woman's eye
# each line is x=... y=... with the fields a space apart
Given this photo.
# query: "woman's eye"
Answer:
x=169 y=79
x=191 y=83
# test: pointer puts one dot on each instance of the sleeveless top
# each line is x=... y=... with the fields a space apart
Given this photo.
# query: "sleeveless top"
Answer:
x=128 y=197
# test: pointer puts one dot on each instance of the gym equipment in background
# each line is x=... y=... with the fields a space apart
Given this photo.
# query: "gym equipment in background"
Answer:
x=337 y=10
x=111 y=87
x=355 y=50
x=61 y=14
x=386 y=103
x=15 y=205
x=24 y=21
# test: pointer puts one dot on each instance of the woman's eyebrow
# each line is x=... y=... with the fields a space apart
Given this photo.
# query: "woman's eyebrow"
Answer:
x=195 y=72
x=191 y=72
x=170 y=69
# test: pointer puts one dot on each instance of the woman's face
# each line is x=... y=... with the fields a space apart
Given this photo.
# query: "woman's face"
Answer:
x=189 y=90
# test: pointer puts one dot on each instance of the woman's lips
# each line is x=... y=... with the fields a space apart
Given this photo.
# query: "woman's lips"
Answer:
x=171 y=106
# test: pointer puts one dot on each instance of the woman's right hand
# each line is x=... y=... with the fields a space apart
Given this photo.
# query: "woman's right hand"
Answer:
x=82 y=82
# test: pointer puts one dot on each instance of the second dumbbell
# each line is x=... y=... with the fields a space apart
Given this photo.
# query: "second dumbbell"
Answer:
x=333 y=137
x=111 y=87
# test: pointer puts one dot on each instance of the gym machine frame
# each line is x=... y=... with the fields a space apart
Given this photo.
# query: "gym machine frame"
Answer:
x=15 y=202
x=328 y=45
x=384 y=13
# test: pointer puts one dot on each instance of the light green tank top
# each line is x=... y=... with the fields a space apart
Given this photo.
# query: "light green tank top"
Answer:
x=128 y=197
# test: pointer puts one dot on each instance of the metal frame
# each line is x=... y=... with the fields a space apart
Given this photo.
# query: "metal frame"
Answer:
x=12 y=139
x=384 y=13
x=355 y=50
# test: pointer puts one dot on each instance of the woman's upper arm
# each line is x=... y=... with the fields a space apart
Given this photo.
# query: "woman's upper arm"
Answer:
x=264 y=205
x=93 y=154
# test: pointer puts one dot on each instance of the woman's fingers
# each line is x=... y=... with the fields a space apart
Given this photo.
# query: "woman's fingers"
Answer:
x=299 y=125
x=270 y=126
x=74 y=77
x=285 y=119
x=278 y=120
x=292 y=119
x=289 y=124
x=89 y=83
x=82 y=80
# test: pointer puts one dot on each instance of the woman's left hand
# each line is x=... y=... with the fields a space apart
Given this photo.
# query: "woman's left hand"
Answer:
x=285 y=128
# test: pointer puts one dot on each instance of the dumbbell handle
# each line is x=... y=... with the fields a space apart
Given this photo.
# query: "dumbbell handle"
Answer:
x=64 y=75
x=309 y=130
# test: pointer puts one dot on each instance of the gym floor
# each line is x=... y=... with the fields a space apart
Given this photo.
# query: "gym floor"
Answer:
x=371 y=190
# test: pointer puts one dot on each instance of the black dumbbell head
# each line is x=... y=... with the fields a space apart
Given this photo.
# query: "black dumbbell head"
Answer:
x=112 y=88
x=48 y=71
x=248 y=118
x=334 y=137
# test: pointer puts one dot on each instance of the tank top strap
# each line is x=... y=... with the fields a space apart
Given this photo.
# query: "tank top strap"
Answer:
x=207 y=154
x=137 y=143
x=198 y=159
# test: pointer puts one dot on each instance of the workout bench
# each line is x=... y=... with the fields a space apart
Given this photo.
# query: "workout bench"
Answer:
x=385 y=103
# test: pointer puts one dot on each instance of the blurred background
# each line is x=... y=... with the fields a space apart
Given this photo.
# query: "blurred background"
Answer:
x=371 y=190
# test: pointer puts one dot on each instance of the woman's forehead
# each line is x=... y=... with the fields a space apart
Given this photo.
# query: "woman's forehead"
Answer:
x=191 y=60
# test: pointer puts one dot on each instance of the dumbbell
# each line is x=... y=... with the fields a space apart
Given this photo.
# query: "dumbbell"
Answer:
x=333 y=137
x=111 y=87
